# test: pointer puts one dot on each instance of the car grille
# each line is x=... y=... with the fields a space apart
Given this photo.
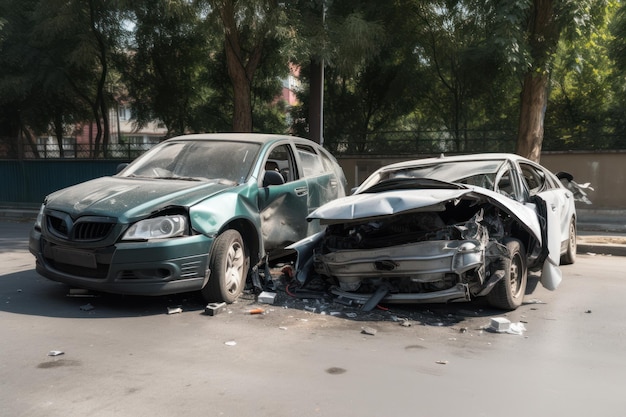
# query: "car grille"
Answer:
x=89 y=229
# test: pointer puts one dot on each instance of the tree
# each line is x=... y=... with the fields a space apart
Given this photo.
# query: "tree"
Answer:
x=583 y=97
x=528 y=33
x=164 y=63
x=248 y=26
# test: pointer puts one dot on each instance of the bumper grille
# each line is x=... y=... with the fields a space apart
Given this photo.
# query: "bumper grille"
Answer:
x=87 y=229
x=91 y=230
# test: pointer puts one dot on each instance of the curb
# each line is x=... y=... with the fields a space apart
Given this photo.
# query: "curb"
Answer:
x=600 y=249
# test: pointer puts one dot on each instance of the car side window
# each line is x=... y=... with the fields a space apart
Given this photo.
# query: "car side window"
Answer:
x=505 y=185
x=280 y=160
x=535 y=179
x=311 y=161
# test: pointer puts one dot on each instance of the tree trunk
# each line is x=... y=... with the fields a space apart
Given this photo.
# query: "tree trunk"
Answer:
x=241 y=68
x=532 y=112
x=543 y=36
x=242 y=93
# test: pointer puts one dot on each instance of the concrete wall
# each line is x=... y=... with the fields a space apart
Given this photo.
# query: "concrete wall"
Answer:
x=25 y=183
x=606 y=171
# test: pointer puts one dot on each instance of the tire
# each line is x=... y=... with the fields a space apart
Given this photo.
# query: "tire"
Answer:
x=569 y=257
x=508 y=293
x=229 y=263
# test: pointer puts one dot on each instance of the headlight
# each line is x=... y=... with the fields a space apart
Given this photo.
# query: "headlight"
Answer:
x=39 y=217
x=157 y=228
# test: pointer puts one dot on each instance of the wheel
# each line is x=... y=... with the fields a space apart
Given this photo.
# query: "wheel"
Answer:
x=229 y=264
x=569 y=257
x=508 y=293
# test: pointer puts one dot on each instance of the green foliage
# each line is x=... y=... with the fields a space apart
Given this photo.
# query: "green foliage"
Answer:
x=451 y=66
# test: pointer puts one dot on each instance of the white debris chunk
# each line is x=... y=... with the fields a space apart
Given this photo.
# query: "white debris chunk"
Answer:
x=500 y=324
x=56 y=353
x=503 y=325
x=267 y=297
x=174 y=310
x=369 y=330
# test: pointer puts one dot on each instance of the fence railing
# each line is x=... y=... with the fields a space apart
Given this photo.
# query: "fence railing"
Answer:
x=351 y=144
x=125 y=151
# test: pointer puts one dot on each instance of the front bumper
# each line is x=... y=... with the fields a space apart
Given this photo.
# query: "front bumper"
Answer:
x=421 y=272
x=156 y=267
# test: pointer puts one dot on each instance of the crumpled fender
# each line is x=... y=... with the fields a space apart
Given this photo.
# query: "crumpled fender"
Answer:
x=371 y=205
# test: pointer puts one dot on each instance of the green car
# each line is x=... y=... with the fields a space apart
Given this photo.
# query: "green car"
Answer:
x=196 y=212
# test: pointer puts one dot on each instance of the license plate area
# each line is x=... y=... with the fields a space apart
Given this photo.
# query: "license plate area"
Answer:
x=74 y=257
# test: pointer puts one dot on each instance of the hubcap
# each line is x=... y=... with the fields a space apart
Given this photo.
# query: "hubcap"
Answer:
x=234 y=268
x=514 y=276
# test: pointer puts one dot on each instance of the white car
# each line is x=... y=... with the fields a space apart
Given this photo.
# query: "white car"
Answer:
x=445 y=229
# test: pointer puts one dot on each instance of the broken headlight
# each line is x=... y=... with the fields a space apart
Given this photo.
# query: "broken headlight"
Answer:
x=157 y=228
x=39 y=217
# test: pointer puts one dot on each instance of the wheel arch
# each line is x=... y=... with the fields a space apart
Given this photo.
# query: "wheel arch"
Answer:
x=250 y=236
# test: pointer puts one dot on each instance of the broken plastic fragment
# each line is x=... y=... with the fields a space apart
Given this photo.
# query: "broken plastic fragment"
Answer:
x=55 y=353
x=174 y=310
x=517 y=328
x=500 y=324
x=230 y=343
x=441 y=362
x=369 y=330
x=267 y=297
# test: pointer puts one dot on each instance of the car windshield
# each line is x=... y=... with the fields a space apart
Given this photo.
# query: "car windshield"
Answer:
x=196 y=161
x=479 y=173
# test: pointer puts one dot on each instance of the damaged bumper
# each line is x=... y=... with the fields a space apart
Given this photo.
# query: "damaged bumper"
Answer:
x=424 y=268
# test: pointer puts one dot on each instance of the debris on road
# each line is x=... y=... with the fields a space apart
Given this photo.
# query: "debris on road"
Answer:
x=213 y=309
x=56 y=353
x=230 y=343
x=369 y=330
x=504 y=325
x=256 y=311
x=174 y=310
x=500 y=324
x=267 y=297
x=80 y=292
x=441 y=362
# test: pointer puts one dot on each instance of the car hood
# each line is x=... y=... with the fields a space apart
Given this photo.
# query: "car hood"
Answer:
x=128 y=199
x=360 y=207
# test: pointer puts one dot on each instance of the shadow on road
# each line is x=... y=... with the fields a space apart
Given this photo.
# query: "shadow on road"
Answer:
x=27 y=293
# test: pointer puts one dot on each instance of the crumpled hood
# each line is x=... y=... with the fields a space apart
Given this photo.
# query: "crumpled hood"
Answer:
x=129 y=198
x=370 y=205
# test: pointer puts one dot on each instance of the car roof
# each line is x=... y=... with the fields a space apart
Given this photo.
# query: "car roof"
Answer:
x=262 y=138
x=457 y=158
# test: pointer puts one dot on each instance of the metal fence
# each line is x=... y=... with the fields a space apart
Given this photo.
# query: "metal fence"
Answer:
x=122 y=151
x=394 y=143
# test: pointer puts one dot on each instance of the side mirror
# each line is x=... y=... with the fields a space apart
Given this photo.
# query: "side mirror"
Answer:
x=565 y=176
x=121 y=167
x=272 y=178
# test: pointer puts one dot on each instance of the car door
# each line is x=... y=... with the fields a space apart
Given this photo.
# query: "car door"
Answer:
x=322 y=181
x=550 y=205
x=557 y=198
x=283 y=204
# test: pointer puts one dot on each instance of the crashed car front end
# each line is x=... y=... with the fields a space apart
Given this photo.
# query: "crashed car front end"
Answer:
x=434 y=246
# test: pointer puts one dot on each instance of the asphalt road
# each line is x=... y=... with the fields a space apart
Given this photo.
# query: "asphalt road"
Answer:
x=125 y=356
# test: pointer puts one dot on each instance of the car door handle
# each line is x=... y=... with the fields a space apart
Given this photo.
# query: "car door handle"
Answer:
x=301 y=191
